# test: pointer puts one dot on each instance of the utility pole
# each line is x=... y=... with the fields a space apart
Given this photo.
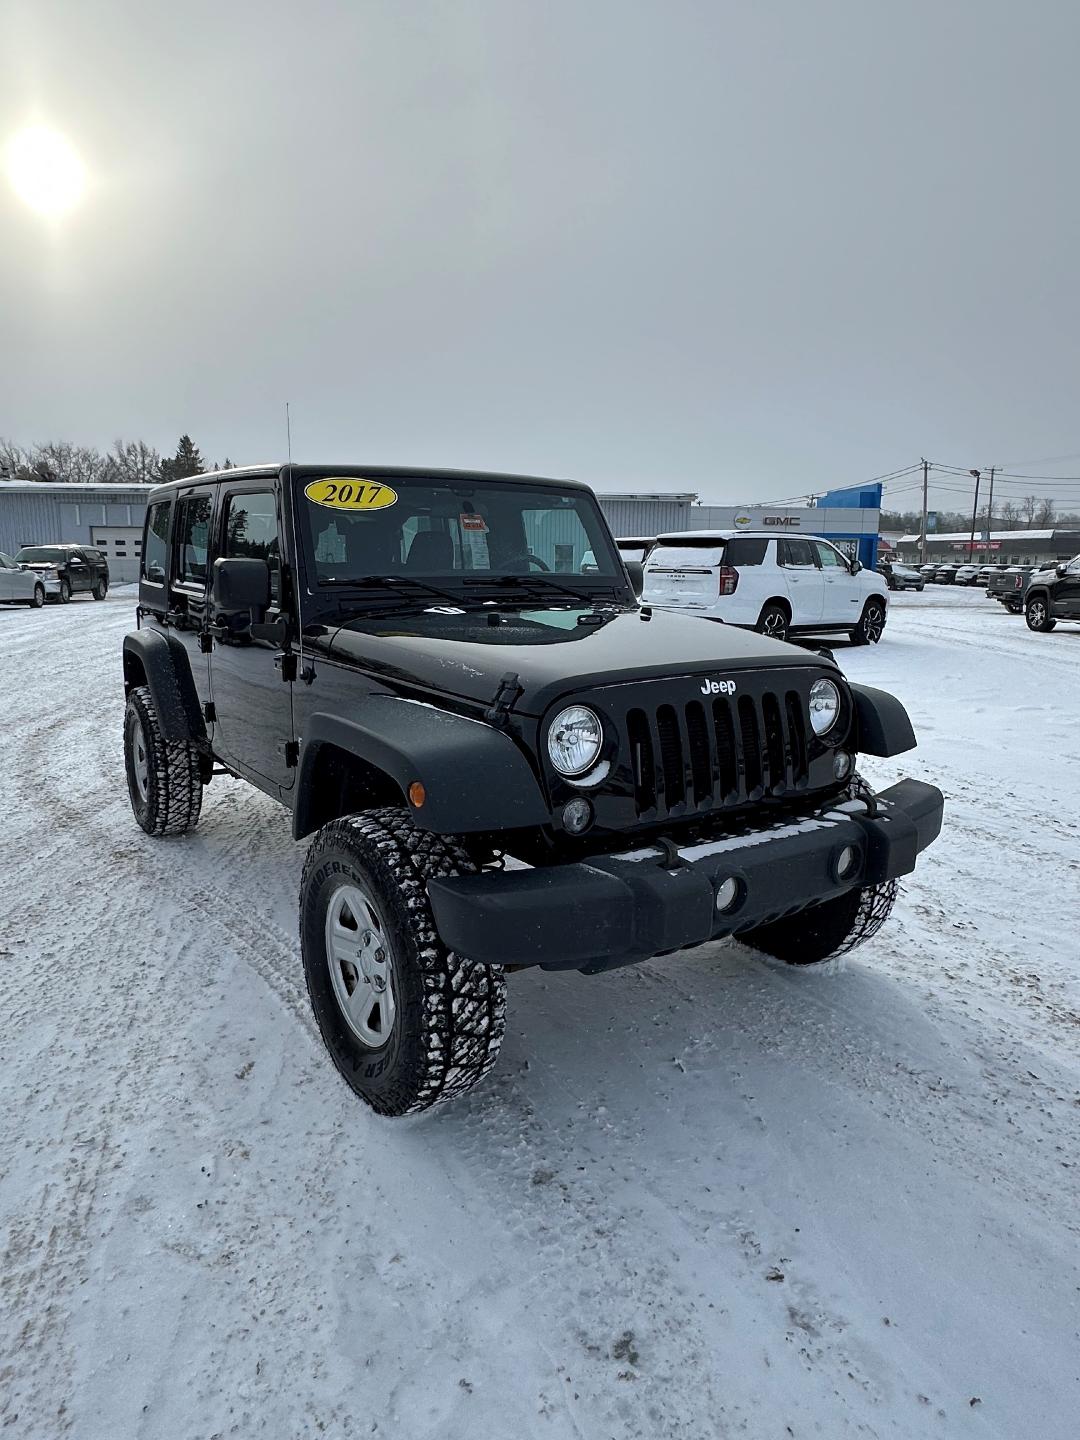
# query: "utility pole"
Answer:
x=974 y=513
x=925 y=483
x=990 y=513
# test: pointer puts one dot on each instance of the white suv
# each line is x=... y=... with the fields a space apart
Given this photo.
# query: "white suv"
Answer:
x=776 y=584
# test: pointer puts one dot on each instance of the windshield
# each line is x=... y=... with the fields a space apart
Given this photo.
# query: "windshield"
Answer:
x=38 y=555
x=454 y=530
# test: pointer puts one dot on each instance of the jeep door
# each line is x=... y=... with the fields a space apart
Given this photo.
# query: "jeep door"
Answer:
x=253 y=719
x=188 y=580
x=842 y=595
x=802 y=580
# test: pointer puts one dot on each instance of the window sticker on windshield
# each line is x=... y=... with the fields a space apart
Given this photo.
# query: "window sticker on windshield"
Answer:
x=350 y=493
x=473 y=522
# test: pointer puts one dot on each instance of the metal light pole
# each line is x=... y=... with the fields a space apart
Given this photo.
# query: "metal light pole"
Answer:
x=974 y=513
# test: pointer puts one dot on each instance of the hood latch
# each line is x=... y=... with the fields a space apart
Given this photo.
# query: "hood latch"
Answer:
x=510 y=687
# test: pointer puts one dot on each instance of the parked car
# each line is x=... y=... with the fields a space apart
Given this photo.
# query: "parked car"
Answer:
x=777 y=585
x=79 y=569
x=20 y=586
x=945 y=574
x=1007 y=586
x=929 y=571
x=1053 y=595
x=900 y=577
x=966 y=575
x=396 y=658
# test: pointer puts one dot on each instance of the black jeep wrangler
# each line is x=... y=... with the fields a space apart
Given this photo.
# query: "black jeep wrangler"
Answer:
x=505 y=760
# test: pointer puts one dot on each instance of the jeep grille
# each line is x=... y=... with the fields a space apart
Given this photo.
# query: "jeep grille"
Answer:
x=718 y=752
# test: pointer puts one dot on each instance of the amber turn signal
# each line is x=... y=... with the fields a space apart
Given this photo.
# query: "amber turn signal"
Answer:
x=417 y=794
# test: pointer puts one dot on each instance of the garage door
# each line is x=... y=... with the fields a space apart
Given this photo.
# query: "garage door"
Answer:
x=122 y=547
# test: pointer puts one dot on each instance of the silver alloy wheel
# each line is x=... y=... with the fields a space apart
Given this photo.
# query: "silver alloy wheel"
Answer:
x=141 y=764
x=39 y=596
x=873 y=623
x=774 y=623
x=361 y=965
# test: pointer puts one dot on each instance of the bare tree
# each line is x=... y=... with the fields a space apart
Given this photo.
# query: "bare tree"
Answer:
x=1045 y=517
x=1009 y=516
x=14 y=461
x=133 y=462
x=1028 y=506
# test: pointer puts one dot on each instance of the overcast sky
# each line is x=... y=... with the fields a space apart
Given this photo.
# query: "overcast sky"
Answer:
x=747 y=249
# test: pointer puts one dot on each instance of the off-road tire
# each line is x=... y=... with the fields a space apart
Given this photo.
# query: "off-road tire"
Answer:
x=39 y=598
x=100 y=590
x=174 y=789
x=774 y=620
x=824 y=931
x=65 y=591
x=1037 y=615
x=871 y=624
x=450 y=1012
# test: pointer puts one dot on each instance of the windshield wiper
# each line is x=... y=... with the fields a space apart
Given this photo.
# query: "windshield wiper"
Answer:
x=544 y=586
x=406 y=585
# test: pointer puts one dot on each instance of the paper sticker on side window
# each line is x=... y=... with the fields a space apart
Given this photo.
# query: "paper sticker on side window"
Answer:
x=347 y=492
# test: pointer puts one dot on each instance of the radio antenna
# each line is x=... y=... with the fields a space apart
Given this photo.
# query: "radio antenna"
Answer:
x=288 y=432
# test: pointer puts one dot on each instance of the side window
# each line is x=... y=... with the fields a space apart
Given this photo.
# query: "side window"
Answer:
x=251 y=533
x=155 y=542
x=192 y=539
x=828 y=558
x=797 y=554
x=6 y=561
x=742 y=550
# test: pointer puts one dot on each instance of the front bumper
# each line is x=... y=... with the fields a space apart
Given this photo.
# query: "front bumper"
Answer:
x=617 y=909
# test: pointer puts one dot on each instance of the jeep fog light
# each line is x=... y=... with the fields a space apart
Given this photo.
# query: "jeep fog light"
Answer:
x=847 y=862
x=841 y=764
x=727 y=894
x=824 y=706
x=576 y=816
x=574 y=740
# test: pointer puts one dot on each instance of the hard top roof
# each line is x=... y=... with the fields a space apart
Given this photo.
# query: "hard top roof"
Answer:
x=381 y=472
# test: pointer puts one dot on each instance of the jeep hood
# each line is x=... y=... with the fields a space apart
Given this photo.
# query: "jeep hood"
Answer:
x=552 y=652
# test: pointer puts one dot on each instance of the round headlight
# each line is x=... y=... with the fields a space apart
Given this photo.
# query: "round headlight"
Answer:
x=574 y=740
x=824 y=706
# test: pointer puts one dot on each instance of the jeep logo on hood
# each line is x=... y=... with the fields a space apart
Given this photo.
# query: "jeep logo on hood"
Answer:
x=718 y=687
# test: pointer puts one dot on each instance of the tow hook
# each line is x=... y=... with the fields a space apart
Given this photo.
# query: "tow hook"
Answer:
x=671 y=859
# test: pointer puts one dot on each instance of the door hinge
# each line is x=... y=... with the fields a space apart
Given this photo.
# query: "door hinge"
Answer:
x=287 y=665
x=292 y=754
x=209 y=711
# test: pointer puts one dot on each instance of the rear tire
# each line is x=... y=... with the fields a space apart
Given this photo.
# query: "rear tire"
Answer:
x=826 y=930
x=407 y=1022
x=164 y=780
x=871 y=624
x=1037 y=615
x=773 y=620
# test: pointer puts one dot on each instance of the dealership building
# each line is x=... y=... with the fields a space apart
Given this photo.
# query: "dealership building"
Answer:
x=110 y=517
x=1004 y=547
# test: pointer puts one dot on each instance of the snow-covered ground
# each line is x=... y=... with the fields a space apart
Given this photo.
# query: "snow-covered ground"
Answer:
x=705 y=1197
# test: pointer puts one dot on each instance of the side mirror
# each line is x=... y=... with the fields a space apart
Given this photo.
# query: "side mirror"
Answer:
x=241 y=585
x=636 y=570
x=856 y=566
x=1061 y=570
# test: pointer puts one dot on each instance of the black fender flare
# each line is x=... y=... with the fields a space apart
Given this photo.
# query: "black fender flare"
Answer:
x=164 y=662
x=1038 y=591
x=474 y=776
x=882 y=726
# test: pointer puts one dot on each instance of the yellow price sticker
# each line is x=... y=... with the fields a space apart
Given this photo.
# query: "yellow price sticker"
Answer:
x=348 y=492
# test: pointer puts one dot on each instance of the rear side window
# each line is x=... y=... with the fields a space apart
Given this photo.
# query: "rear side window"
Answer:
x=746 y=550
x=798 y=554
x=155 y=543
x=193 y=539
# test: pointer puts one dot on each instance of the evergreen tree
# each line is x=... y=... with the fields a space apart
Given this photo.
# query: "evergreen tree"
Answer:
x=186 y=462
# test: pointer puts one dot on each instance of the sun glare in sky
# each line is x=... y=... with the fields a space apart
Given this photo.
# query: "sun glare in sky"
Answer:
x=44 y=170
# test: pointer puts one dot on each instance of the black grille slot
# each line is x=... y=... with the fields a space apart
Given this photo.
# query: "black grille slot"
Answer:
x=751 y=748
x=774 y=743
x=727 y=763
x=671 y=755
x=697 y=731
x=800 y=760
x=641 y=757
